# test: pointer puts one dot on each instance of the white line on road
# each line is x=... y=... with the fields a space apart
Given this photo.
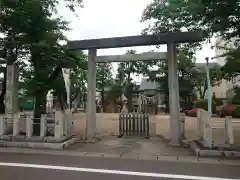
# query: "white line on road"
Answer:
x=117 y=172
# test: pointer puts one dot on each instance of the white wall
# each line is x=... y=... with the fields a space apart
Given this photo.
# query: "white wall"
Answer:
x=221 y=90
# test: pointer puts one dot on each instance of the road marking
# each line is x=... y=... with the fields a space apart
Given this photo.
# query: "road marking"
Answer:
x=107 y=171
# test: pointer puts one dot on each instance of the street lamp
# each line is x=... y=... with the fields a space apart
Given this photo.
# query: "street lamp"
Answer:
x=209 y=87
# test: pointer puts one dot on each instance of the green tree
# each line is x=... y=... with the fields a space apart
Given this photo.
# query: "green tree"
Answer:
x=174 y=15
x=78 y=80
x=37 y=37
x=125 y=72
x=186 y=72
x=177 y=15
x=200 y=80
x=104 y=79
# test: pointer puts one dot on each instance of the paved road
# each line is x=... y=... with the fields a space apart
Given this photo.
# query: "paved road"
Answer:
x=39 y=167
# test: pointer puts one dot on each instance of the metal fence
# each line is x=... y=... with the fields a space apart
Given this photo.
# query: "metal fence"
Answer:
x=134 y=124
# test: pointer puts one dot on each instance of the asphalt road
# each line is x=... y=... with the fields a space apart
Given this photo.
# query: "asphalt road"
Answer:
x=46 y=167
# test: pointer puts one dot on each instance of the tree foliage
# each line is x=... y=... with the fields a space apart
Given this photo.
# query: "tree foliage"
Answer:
x=32 y=31
x=126 y=72
x=186 y=76
x=104 y=81
x=200 y=80
x=211 y=17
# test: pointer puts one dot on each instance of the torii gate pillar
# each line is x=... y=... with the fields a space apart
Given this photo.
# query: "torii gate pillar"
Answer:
x=90 y=129
x=174 y=102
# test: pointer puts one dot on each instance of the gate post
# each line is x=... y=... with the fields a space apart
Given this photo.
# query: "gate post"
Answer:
x=173 y=95
x=91 y=95
x=229 y=137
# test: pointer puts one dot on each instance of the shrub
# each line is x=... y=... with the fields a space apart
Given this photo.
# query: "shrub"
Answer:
x=236 y=98
x=236 y=112
x=228 y=110
x=193 y=112
x=219 y=110
x=203 y=104
x=219 y=102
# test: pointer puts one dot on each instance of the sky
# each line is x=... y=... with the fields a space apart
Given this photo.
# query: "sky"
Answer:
x=114 y=18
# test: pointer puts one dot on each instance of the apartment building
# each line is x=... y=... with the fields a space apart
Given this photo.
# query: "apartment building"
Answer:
x=225 y=88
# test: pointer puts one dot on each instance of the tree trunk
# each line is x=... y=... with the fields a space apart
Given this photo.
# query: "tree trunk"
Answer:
x=129 y=97
x=167 y=110
x=103 y=101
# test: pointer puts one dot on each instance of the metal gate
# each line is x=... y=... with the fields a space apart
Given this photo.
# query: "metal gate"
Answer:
x=133 y=124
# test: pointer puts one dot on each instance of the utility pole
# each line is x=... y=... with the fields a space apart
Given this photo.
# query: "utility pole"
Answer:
x=209 y=87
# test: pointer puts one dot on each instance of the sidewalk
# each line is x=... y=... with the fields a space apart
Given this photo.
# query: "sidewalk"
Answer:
x=153 y=149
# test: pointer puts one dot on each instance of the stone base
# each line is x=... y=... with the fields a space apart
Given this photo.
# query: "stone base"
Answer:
x=215 y=152
x=39 y=145
x=50 y=139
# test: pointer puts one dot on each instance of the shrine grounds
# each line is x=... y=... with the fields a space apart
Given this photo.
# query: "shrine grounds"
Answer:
x=107 y=125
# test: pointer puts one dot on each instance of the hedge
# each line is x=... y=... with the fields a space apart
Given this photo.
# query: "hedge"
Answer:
x=236 y=112
x=203 y=104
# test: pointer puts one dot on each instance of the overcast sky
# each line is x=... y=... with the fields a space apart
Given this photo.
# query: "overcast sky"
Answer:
x=111 y=18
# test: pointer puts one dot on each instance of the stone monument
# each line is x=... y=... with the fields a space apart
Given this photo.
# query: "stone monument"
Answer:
x=11 y=98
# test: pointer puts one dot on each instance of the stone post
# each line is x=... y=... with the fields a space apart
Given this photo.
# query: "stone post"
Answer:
x=11 y=102
x=43 y=128
x=182 y=121
x=207 y=129
x=70 y=124
x=2 y=125
x=174 y=103
x=91 y=95
x=16 y=125
x=29 y=126
x=199 y=124
x=58 y=127
x=229 y=138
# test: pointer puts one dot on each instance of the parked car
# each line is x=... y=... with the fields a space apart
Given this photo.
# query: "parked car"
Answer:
x=193 y=112
x=223 y=111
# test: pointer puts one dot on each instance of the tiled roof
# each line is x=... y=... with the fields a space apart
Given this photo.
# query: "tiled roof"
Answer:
x=148 y=85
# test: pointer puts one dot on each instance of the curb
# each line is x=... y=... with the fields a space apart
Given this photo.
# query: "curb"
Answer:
x=212 y=152
x=38 y=145
x=180 y=159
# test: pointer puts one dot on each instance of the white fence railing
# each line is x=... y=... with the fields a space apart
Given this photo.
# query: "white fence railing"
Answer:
x=61 y=124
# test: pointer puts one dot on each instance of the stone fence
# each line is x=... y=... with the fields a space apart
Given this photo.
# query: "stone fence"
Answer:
x=206 y=126
x=56 y=126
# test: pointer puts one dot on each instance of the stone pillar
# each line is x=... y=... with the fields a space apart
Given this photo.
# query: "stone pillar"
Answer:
x=11 y=102
x=16 y=126
x=229 y=137
x=43 y=128
x=2 y=125
x=174 y=103
x=200 y=124
x=207 y=129
x=91 y=95
x=58 y=127
x=182 y=121
x=29 y=126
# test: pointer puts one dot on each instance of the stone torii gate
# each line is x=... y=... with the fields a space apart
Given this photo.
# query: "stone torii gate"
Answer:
x=171 y=39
